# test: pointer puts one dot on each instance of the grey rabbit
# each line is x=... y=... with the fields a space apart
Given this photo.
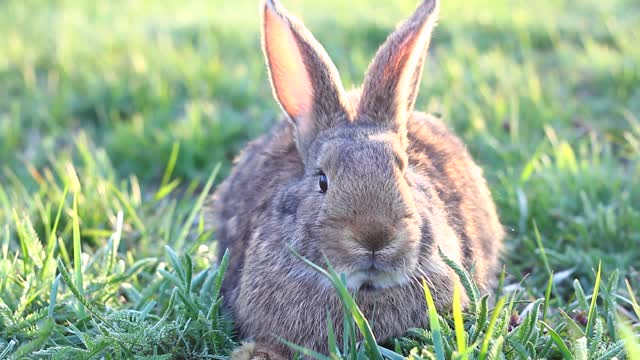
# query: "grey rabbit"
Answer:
x=358 y=177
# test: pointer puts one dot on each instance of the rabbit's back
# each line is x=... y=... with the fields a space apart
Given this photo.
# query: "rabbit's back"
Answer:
x=439 y=155
x=243 y=200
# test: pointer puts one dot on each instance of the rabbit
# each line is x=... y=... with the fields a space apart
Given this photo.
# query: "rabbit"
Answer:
x=357 y=178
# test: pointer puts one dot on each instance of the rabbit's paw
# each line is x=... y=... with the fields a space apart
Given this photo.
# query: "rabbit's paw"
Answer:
x=253 y=351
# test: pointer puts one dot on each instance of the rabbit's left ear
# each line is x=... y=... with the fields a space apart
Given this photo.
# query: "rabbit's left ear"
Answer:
x=392 y=80
x=305 y=81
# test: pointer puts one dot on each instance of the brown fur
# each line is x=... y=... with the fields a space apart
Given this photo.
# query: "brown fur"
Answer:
x=400 y=187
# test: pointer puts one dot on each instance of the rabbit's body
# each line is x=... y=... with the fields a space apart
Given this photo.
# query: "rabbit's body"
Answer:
x=359 y=178
x=271 y=292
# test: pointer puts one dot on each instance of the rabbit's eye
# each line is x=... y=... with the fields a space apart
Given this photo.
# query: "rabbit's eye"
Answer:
x=323 y=182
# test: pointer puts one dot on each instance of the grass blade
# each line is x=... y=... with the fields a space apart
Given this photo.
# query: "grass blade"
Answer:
x=76 y=293
x=331 y=338
x=171 y=164
x=130 y=210
x=184 y=232
x=77 y=251
x=469 y=286
x=304 y=350
x=492 y=323
x=580 y=296
x=543 y=253
x=547 y=297
x=632 y=297
x=458 y=322
x=593 y=307
x=115 y=241
x=391 y=355
x=564 y=349
x=53 y=296
x=51 y=242
x=481 y=319
x=631 y=340
x=349 y=304
x=436 y=334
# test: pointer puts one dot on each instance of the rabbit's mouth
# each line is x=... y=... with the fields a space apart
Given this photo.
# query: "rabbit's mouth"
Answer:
x=372 y=280
x=373 y=272
x=368 y=287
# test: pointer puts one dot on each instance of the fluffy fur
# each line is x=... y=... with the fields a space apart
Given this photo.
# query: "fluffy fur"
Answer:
x=400 y=186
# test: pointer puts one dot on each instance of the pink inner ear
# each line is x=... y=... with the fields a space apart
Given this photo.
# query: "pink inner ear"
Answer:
x=289 y=76
x=397 y=64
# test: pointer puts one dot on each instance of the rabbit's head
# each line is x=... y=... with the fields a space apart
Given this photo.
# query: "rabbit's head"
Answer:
x=354 y=201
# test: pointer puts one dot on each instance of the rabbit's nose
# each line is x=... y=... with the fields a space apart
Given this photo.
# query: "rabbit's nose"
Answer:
x=375 y=240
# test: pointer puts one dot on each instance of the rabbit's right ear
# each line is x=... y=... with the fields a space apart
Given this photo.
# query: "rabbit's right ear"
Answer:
x=305 y=81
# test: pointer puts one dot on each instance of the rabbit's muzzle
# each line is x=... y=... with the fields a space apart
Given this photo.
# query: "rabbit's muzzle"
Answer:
x=378 y=254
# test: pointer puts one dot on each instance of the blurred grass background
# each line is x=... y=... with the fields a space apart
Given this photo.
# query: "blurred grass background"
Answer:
x=97 y=95
x=547 y=97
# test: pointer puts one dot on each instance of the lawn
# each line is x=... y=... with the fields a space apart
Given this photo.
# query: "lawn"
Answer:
x=117 y=117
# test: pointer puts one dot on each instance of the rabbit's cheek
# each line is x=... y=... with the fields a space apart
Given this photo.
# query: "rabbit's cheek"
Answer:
x=406 y=244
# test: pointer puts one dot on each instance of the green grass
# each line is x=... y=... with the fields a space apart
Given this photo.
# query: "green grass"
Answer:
x=114 y=115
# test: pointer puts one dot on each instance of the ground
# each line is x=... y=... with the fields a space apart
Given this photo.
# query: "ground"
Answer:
x=115 y=114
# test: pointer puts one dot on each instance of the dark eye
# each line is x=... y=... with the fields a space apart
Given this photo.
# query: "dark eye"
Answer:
x=323 y=182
